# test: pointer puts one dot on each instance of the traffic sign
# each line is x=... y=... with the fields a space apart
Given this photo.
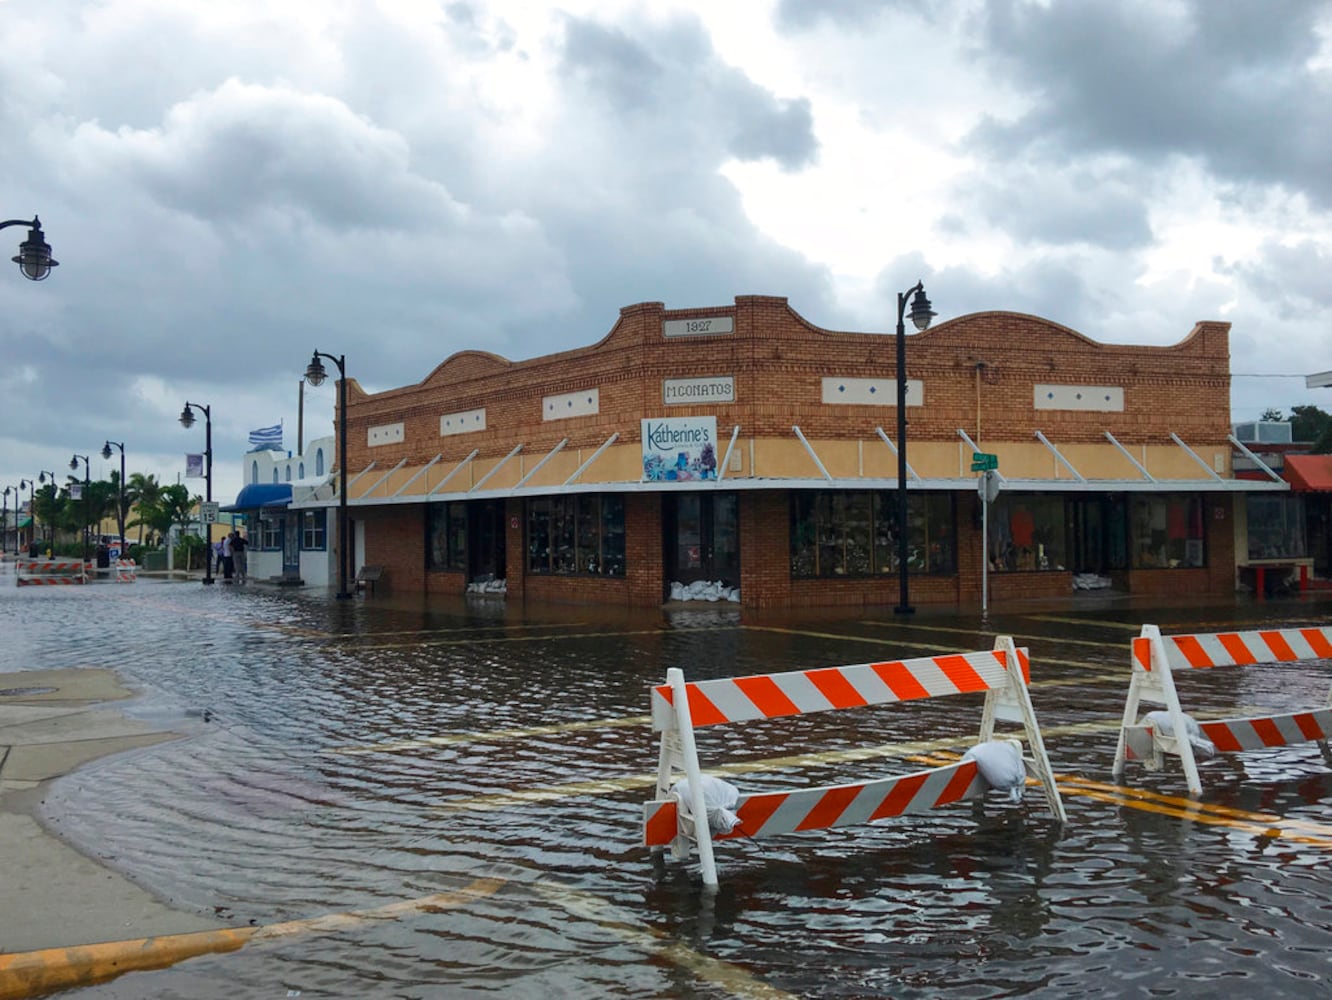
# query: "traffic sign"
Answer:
x=208 y=511
x=983 y=461
x=987 y=486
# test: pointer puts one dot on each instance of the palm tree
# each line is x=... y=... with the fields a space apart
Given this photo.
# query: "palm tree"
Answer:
x=143 y=494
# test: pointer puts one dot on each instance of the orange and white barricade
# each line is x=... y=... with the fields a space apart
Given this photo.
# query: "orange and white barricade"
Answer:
x=1156 y=656
x=678 y=708
x=51 y=571
x=127 y=571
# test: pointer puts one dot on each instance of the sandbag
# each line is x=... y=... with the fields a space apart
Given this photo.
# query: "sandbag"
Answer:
x=1202 y=746
x=1000 y=764
x=719 y=799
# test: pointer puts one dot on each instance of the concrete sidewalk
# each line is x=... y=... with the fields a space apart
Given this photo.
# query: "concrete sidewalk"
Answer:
x=51 y=895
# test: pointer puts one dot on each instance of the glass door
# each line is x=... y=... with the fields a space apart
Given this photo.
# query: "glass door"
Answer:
x=702 y=538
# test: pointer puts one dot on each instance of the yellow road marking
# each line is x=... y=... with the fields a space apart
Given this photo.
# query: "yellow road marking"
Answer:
x=538 y=638
x=915 y=627
x=495 y=735
x=926 y=646
x=1099 y=622
x=1259 y=824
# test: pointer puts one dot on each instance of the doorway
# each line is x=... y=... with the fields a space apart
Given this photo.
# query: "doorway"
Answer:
x=485 y=540
x=1098 y=534
x=702 y=538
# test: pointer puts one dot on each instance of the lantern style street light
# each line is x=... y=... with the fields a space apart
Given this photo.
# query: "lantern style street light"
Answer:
x=187 y=421
x=74 y=464
x=4 y=518
x=34 y=256
x=921 y=314
x=120 y=498
x=315 y=375
x=32 y=513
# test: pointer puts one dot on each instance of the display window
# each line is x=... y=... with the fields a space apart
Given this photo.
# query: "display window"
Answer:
x=854 y=534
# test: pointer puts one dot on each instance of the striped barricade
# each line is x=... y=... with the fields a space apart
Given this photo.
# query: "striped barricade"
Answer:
x=1155 y=657
x=678 y=708
x=51 y=571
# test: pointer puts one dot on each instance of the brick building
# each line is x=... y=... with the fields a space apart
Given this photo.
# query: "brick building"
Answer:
x=743 y=444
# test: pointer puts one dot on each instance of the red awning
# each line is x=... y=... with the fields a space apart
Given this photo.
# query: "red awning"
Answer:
x=1309 y=473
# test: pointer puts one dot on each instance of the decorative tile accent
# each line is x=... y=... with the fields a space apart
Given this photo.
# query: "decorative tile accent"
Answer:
x=585 y=403
x=1091 y=398
x=462 y=423
x=385 y=434
x=871 y=391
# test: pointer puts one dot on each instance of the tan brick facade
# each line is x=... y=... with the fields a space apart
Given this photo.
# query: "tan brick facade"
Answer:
x=982 y=374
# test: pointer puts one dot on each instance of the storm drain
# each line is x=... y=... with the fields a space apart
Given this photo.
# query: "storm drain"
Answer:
x=23 y=692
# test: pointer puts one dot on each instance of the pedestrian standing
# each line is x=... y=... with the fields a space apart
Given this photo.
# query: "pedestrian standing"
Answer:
x=238 y=556
x=228 y=561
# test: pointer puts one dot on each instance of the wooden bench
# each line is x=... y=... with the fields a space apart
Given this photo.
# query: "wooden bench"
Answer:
x=368 y=577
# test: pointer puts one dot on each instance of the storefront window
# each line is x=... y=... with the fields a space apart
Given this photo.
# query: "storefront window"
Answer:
x=1027 y=534
x=1276 y=527
x=313 y=534
x=578 y=534
x=270 y=532
x=446 y=537
x=1168 y=532
x=855 y=534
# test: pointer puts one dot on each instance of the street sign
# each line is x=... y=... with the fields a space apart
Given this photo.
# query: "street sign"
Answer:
x=208 y=511
x=983 y=461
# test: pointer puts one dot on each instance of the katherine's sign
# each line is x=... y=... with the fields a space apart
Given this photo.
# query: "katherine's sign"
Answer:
x=679 y=391
x=679 y=449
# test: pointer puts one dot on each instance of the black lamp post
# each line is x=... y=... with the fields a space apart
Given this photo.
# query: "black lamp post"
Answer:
x=74 y=464
x=34 y=256
x=921 y=314
x=42 y=477
x=32 y=512
x=120 y=497
x=4 y=517
x=315 y=375
x=187 y=421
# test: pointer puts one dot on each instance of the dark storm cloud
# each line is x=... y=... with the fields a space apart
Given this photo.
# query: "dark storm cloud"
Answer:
x=673 y=72
x=1105 y=208
x=1292 y=280
x=1226 y=83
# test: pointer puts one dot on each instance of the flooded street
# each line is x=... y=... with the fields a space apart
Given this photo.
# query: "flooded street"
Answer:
x=456 y=788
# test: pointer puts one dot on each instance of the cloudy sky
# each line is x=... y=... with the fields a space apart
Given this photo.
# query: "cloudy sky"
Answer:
x=229 y=186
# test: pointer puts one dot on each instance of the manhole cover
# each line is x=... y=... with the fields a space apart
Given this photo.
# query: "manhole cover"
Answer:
x=20 y=692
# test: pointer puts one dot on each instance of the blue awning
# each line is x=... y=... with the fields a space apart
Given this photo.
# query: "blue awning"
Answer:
x=257 y=495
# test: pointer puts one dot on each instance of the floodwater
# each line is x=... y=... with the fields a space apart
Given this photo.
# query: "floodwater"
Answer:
x=468 y=778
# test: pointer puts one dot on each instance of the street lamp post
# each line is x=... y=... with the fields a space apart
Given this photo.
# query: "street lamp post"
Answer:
x=74 y=464
x=4 y=517
x=42 y=477
x=921 y=314
x=32 y=513
x=315 y=375
x=34 y=256
x=120 y=497
x=187 y=421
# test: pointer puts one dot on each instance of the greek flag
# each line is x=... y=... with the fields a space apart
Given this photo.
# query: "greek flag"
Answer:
x=268 y=437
